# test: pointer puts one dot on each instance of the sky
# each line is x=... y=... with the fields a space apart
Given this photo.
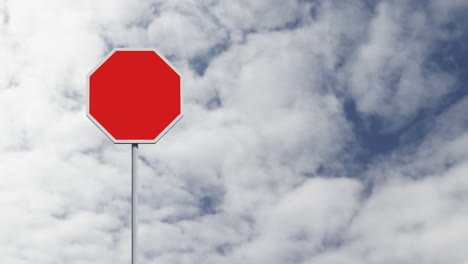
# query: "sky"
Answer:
x=313 y=132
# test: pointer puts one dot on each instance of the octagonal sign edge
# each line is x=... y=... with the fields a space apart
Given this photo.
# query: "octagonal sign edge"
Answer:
x=130 y=141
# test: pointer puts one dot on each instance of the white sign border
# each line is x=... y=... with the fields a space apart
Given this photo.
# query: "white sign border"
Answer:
x=133 y=141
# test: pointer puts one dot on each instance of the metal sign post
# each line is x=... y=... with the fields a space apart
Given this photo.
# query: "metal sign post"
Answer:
x=135 y=97
x=134 y=203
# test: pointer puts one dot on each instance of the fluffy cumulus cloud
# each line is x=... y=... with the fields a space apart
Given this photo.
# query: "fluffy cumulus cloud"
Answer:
x=313 y=132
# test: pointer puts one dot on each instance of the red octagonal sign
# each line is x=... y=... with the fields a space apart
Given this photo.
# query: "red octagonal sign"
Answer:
x=134 y=96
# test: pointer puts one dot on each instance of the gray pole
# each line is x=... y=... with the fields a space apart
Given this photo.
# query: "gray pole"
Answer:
x=134 y=203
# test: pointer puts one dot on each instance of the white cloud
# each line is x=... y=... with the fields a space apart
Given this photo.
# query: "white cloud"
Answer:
x=388 y=76
x=409 y=221
x=300 y=224
x=414 y=212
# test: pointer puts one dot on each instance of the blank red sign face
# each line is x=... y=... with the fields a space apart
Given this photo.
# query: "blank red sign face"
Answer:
x=134 y=96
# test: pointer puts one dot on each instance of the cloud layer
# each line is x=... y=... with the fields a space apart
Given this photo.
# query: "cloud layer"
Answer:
x=313 y=132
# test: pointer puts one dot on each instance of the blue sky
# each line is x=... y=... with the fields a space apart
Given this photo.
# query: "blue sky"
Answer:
x=313 y=132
